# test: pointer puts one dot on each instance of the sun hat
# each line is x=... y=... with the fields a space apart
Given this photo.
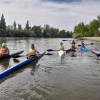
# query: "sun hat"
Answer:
x=3 y=45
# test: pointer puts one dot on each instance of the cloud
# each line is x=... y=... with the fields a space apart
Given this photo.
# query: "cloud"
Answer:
x=6 y=1
x=62 y=15
x=62 y=1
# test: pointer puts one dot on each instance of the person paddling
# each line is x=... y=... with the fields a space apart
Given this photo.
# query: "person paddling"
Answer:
x=82 y=44
x=73 y=43
x=4 y=50
x=61 y=47
x=32 y=52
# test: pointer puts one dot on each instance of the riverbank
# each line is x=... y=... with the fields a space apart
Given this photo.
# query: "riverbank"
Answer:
x=92 y=38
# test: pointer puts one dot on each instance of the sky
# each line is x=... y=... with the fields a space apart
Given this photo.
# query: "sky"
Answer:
x=61 y=14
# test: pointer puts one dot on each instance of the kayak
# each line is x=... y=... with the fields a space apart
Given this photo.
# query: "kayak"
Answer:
x=61 y=54
x=20 y=65
x=69 y=50
x=10 y=55
x=97 y=53
x=83 y=49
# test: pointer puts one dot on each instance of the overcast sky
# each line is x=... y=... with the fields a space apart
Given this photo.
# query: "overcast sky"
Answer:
x=62 y=14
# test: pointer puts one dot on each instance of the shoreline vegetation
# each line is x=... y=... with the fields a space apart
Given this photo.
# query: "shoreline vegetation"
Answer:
x=81 y=30
x=92 y=38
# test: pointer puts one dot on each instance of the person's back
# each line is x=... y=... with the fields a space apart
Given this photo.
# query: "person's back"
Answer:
x=4 y=50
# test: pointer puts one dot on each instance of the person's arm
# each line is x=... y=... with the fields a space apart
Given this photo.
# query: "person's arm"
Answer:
x=37 y=51
x=8 y=52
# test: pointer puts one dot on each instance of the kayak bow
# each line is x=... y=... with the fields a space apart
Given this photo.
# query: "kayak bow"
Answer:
x=20 y=65
x=61 y=53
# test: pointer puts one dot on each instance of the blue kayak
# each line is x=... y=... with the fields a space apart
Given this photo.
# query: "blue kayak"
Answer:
x=10 y=55
x=20 y=65
x=83 y=49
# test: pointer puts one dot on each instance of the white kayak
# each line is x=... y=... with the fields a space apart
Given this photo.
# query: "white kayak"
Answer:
x=97 y=53
x=61 y=54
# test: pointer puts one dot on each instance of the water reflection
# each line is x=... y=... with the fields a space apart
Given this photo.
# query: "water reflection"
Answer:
x=33 y=66
x=4 y=65
x=77 y=78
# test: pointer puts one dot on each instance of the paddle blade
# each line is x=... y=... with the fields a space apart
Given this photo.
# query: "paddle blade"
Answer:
x=50 y=50
x=98 y=55
x=79 y=45
x=64 y=40
x=17 y=56
x=91 y=43
x=48 y=54
x=16 y=60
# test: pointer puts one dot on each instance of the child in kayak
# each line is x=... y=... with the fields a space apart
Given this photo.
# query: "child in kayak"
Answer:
x=32 y=51
x=4 y=50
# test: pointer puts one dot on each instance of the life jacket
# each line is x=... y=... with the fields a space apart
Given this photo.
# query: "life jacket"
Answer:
x=31 y=52
x=3 y=51
x=61 y=48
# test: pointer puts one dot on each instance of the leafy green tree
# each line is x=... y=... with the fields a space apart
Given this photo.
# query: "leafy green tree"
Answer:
x=93 y=28
x=2 y=23
x=14 y=25
x=27 y=25
x=37 y=30
x=81 y=29
x=19 y=27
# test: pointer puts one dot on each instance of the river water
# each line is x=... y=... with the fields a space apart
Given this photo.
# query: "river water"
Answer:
x=75 y=78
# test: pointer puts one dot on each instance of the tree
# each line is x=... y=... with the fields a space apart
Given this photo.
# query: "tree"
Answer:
x=37 y=30
x=81 y=29
x=19 y=27
x=27 y=25
x=93 y=28
x=14 y=25
x=2 y=23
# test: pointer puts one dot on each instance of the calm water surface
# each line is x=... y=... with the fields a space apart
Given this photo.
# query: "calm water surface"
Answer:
x=76 y=78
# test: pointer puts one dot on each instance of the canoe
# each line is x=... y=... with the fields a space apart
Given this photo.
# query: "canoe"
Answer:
x=97 y=53
x=10 y=55
x=20 y=65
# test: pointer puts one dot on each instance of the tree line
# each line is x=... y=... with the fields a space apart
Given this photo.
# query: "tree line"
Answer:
x=80 y=30
x=16 y=30
x=91 y=29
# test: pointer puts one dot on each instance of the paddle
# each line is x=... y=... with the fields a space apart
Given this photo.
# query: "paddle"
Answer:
x=67 y=51
x=17 y=56
x=16 y=60
x=51 y=50
x=86 y=44
x=66 y=40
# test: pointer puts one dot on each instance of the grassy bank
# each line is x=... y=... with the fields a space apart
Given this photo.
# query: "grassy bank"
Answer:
x=92 y=38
